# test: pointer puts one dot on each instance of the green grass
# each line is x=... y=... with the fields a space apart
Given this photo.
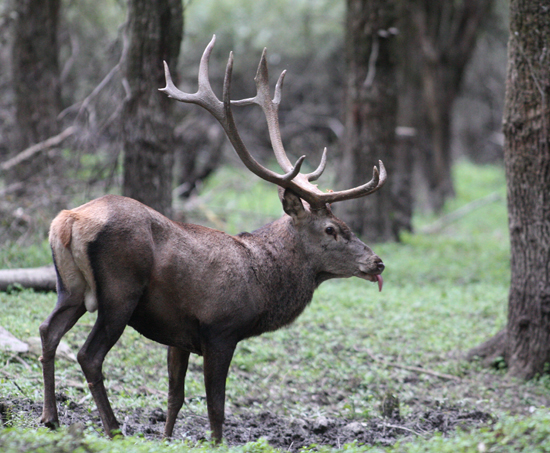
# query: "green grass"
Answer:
x=444 y=293
x=12 y=256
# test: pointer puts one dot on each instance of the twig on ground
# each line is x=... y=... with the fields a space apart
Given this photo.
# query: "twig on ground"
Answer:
x=10 y=378
x=413 y=368
x=447 y=219
x=387 y=425
x=84 y=398
x=20 y=360
x=425 y=371
x=190 y=412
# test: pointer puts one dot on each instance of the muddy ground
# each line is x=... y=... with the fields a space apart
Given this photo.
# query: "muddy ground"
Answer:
x=284 y=433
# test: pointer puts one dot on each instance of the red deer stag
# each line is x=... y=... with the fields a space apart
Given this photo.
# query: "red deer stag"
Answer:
x=195 y=289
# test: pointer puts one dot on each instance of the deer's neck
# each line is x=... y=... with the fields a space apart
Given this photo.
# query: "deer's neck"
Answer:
x=283 y=272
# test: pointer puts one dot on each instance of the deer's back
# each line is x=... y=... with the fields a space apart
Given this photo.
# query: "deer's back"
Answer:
x=187 y=278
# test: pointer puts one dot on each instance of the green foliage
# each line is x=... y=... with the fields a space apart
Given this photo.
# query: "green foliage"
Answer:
x=444 y=293
x=508 y=435
x=87 y=441
x=234 y=203
x=292 y=27
x=12 y=255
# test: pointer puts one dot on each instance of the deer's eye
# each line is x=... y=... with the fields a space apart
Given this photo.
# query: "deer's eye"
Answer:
x=330 y=231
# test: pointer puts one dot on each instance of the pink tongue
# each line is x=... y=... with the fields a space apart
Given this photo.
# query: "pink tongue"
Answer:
x=380 y=282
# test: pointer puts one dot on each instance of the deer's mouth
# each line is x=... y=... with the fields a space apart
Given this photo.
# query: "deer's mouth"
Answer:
x=373 y=278
x=377 y=278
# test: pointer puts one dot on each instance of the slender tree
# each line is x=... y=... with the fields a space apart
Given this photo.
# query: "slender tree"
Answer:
x=370 y=113
x=525 y=343
x=154 y=33
x=442 y=37
x=35 y=78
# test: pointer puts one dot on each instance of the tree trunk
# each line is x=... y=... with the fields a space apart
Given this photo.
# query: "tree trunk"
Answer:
x=443 y=35
x=35 y=78
x=155 y=30
x=370 y=115
x=440 y=91
x=527 y=160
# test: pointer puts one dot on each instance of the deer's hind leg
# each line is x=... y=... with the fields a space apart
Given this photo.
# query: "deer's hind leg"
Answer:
x=116 y=300
x=68 y=310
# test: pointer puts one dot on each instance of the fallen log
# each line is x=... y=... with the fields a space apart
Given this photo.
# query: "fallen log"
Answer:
x=37 y=278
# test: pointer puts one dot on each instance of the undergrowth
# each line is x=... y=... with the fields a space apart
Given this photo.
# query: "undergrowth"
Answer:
x=444 y=293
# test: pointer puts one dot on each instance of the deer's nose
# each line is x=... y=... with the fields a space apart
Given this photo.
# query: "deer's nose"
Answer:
x=380 y=266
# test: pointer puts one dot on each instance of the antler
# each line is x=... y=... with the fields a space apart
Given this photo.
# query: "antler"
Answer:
x=292 y=178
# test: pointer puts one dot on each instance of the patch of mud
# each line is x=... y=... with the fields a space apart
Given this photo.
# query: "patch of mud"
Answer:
x=284 y=433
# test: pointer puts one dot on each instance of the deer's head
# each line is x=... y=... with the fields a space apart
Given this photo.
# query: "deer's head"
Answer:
x=330 y=244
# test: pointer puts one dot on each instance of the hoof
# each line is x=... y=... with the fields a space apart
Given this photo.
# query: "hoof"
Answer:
x=52 y=424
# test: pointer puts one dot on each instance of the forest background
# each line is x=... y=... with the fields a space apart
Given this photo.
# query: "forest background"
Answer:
x=457 y=48
x=309 y=40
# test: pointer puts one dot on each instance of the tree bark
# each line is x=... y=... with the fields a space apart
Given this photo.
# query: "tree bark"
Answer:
x=155 y=30
x=527 y=160
x=35 y=77
x=370 y=115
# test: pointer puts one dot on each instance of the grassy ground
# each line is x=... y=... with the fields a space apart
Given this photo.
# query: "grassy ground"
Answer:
x=444 y=293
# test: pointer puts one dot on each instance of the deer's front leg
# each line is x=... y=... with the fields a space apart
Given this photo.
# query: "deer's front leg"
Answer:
x=217 y=358
x=177 y=368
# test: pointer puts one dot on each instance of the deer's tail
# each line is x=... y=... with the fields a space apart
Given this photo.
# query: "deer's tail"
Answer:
x=70 y=256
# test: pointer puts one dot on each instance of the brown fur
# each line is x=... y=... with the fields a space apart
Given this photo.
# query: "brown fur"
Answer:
x=192 y=288
x=62 y=227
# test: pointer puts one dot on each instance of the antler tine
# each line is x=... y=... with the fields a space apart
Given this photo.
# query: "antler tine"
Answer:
x=204 y=78
x=270 y=108
x=377 y=181
x=262 y=86
x=205 y=96
x=226 y=95
x=314 y=176
x=171 y=90
x=262 y=79
x=278 y=88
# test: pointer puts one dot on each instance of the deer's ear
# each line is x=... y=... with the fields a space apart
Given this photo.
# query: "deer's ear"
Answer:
x=292 y=205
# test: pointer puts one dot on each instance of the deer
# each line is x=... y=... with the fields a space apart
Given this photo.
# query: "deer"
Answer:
x=192 y=288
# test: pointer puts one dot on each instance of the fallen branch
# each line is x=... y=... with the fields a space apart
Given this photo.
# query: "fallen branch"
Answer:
x=387 y=425
x=425 y=371
x=447 y=219
x=38 y=278
x=11 y=188
x=13 y=380
x=36 y=148
x=413 y=368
